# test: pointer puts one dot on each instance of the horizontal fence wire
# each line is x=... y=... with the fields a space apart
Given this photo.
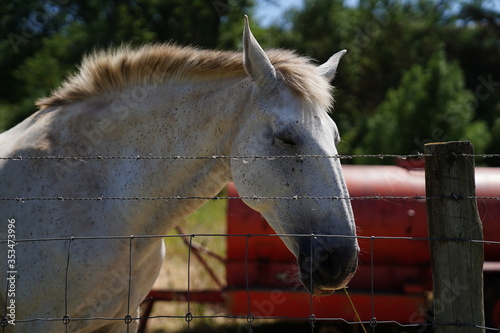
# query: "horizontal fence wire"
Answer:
x=221 y=235
x=295 y=197
x=236 y=157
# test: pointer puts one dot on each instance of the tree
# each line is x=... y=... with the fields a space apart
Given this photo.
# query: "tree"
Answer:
x=430 y=104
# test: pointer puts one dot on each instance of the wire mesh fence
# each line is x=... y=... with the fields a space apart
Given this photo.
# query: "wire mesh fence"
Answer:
x=251 y=319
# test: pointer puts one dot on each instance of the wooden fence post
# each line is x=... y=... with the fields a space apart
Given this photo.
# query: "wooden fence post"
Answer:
x=452 y=217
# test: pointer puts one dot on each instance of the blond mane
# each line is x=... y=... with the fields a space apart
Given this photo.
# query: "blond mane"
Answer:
x=107 y=71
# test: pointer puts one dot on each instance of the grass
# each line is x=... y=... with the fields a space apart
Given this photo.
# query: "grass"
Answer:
x=209 y=219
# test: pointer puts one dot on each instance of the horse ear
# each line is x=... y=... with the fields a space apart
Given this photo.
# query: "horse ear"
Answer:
x=255 y=60
x=329 y=68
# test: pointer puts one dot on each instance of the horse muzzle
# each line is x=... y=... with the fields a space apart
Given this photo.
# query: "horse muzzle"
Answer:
x=327 y=264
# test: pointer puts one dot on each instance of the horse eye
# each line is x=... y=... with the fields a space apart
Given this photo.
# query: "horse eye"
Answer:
x=287 y=143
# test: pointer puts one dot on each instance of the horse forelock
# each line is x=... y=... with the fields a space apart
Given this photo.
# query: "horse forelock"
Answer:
x=106 y=71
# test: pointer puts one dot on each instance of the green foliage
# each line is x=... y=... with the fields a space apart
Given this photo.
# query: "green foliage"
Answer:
x=430 y=104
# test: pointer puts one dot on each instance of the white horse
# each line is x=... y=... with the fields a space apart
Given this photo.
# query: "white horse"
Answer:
x=164 y=100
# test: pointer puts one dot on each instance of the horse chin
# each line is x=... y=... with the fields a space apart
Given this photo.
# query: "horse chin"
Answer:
x=327 y=290
x=323 y=292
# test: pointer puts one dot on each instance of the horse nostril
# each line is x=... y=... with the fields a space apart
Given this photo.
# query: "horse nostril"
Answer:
x=327 y=254
x=323 y=262
x=326 y=266
x=328 y=263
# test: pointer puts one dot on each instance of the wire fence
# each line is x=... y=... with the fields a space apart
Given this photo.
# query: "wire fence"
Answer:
x=251 y=318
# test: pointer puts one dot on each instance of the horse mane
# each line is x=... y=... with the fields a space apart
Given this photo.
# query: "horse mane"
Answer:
x=107 y=71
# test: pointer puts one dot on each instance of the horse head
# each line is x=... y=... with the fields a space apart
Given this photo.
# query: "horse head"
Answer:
x=287 y=116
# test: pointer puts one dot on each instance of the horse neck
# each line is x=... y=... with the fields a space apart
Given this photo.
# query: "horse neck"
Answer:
x=189 y=119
